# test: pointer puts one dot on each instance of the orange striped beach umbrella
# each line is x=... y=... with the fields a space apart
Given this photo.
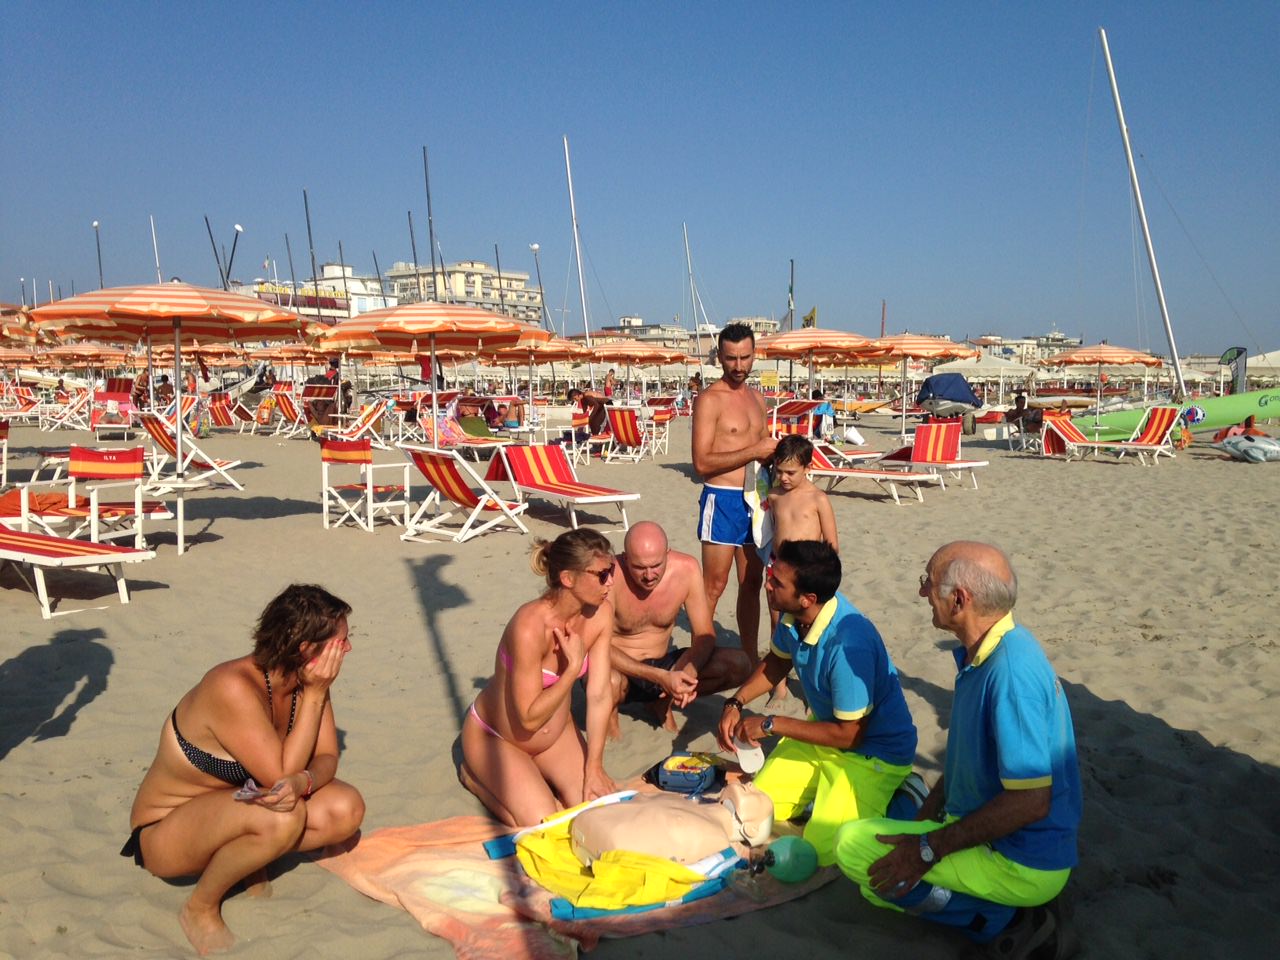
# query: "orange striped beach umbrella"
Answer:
x=811 y=344
x=186 y=312
x=424 y=329
x=1101 y=355
x=917 y=346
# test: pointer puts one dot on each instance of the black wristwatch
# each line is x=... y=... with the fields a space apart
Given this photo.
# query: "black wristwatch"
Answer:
x=767 y=727
x=733 y=702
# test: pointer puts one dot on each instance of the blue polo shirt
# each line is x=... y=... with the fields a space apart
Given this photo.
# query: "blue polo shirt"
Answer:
x=1011 y=730
x=847 y=675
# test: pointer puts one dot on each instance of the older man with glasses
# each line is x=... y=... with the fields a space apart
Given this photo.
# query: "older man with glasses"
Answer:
x=995 y=841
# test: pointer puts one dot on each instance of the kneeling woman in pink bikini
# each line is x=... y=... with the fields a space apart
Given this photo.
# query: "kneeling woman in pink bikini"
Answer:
x=522 y=755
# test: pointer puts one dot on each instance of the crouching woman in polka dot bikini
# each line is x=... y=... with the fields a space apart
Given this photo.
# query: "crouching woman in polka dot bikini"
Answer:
x=265 y=716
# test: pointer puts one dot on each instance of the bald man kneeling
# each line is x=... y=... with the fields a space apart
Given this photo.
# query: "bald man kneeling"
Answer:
x=656 y=583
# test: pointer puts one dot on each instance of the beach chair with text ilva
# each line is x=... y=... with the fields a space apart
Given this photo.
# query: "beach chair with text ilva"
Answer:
x=887 y=480
x=543 y=472
x=935 y=449
x=629 y=440
x=165 y=448
x=350 y=490
x=457 y=491
x=26 y=551
x=1153 y=436
x=92 y=476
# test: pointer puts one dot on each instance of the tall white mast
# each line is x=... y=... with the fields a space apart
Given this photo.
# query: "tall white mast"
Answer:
x=693 y=296
x=577 y=252
x=1181 y=390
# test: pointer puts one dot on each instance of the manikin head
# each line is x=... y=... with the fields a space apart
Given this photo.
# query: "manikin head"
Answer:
x=752 y=812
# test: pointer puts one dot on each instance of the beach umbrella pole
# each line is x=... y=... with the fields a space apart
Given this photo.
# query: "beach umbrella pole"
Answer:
x=177 y=391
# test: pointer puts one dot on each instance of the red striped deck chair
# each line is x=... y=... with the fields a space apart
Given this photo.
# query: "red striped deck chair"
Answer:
x=22 y=407
x=935 y=449
x=1153 y=435
x=293 y=419
x=25 y=550
x=845 y=456
x=90 y=474
x=4 y=453
x=886 y=480
x=366 y=425
x=165 y=448
x=543 y=471
x=659 y=427
x=793 y=417
x=71 y=415
x=220 y=411
x=170 y=412
x=455 y=489
x=361 y=499
x=630 y=441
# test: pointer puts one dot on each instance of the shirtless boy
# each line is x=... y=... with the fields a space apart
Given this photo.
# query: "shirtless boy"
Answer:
x=729 y=431
x=656 y=583
x=799 y=509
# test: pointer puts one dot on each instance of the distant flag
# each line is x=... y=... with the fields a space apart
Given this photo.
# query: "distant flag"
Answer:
x=810 y=319
x=1235 y=358
x=266 y=263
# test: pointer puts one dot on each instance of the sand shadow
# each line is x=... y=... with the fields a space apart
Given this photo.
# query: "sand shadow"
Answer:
x=35 y=683
x=248 y=508
x=434 y=595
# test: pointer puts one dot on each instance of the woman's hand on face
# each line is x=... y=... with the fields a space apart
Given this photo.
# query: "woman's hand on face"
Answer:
x=322 y=669
x=571 y=644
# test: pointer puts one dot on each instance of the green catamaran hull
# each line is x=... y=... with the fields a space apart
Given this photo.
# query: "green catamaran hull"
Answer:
x=1201 y=415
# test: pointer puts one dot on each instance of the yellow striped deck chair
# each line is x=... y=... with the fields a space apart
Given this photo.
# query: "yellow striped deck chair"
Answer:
x=455 y=489
x=1153 y=435
x=165 y=448
x=543 y=471
x=360 y=500
x=935 y=449
x=887 y=480
x=34 y=552
x=629 y=441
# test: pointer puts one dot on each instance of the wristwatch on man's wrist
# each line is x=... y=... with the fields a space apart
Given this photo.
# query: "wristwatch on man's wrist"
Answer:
x=927 y=853
x=767 y=727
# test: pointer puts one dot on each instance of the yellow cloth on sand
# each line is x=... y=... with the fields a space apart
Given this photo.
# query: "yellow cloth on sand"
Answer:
x=618 y=879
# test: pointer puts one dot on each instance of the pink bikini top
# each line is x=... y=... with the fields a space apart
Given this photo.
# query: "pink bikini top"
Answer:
x=549 y=677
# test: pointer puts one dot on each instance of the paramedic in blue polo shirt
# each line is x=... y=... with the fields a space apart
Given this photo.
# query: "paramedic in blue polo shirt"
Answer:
x=995 y=841
x=856 y=747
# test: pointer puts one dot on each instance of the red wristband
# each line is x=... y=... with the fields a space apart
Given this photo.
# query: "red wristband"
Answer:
x=311 y=784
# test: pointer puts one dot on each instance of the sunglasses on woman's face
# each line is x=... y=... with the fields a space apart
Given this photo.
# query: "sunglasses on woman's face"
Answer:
x=604 y=576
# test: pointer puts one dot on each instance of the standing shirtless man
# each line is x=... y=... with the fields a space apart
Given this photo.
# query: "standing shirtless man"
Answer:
x=729 y=431
x=656 y=582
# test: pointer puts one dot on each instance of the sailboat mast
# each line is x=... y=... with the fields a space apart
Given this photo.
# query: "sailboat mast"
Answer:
x=577 y=245
x=1181 y=390
x=693 y=297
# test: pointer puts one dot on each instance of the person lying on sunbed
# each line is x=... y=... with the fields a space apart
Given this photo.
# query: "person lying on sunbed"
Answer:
x=265 y=718
x=522 y=755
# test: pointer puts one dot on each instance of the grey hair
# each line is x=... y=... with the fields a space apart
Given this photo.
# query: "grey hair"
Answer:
x=991 y=593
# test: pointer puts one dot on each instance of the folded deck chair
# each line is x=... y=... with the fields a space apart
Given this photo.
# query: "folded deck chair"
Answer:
x=887 y=480
x=21 y=406
x=165 y=448
x=26 y=550
x=84 y=508
x=629 y=441
x=543 y=471
x=455 y=489
x=1153 y=435
x=361 y=501
x=845 y=456
x=935 y=449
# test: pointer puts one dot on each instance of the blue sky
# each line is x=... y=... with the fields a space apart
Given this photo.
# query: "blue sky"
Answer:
x=960 y=162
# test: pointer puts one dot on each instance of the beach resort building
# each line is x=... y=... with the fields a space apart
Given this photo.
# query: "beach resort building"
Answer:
x=337 y=294
x=1025 y=349
x=472 y=282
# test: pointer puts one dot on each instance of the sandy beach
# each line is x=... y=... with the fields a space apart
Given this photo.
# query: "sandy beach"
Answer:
x=1152 y=590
